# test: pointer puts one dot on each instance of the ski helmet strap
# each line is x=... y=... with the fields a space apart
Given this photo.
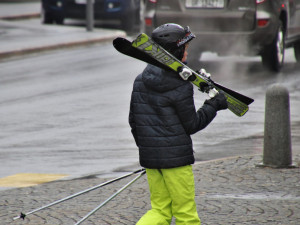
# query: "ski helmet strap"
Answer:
x=187 y=38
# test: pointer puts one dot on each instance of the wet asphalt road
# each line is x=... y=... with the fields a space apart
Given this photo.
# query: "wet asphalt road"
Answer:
x=66 y=111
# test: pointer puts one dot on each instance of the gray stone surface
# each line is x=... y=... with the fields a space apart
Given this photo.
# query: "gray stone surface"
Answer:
x=228 y=191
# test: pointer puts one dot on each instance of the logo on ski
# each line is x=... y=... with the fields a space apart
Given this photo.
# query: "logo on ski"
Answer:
x=152 y=49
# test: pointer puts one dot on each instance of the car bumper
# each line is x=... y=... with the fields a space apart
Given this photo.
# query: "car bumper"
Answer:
x=246 y=43
x=235 y=37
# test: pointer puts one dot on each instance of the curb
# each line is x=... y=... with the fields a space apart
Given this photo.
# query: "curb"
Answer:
x=20 y=17
x=20 y=52
x=45 y=38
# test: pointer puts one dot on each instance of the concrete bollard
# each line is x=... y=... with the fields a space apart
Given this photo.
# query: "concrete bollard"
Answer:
x=89 y=15
x=277 y=133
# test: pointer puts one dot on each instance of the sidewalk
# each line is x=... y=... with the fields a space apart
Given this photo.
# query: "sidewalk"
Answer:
x=228 y=191
x=19 y=38
x=22 y=36
x=24 y=9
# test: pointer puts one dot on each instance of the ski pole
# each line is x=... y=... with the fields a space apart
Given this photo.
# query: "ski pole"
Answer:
x=23 y=215
x=110 y=198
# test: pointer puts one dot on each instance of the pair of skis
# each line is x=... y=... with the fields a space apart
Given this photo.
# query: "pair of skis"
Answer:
x=145 y=49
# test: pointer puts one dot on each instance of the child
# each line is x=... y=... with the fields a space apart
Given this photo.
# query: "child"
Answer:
x=162 y=118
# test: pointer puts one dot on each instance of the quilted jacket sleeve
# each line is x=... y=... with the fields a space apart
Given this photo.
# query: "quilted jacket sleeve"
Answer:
x=132 y=123
x=192 y=120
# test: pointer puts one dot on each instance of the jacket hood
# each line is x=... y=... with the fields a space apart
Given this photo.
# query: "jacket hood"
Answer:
x=160 y=80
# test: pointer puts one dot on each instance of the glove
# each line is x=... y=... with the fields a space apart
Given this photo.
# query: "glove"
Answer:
x=205 y=87
x=219 y=102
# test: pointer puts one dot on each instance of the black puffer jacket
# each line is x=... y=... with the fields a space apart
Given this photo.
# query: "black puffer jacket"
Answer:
x=163 y=116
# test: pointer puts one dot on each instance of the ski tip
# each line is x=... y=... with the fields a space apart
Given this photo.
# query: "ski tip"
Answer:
x=249 y=101
x=120 y=44
x=118 y=40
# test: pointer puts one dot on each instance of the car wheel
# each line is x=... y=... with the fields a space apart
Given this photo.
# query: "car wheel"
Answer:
x=273 y=54
x=59 y=20
x=297 y=51
x=46 y=17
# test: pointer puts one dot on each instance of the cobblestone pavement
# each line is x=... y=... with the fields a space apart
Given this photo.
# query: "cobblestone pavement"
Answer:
x=228 y=191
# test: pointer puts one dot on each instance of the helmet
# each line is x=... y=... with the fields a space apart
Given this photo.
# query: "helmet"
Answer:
x=173 y=37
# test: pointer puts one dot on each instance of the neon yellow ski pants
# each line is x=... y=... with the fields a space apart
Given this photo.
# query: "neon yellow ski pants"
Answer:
x=172 y=193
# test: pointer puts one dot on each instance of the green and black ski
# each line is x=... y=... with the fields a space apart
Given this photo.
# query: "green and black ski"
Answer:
x=145 y=49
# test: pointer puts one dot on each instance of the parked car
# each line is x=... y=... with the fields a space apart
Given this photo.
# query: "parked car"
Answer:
x=243 y=27
x=127 y=12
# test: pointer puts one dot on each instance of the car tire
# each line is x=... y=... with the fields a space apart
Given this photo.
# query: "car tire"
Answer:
x=59 y=20
x=46 y=17
x=297 y=51
x=273 y=54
